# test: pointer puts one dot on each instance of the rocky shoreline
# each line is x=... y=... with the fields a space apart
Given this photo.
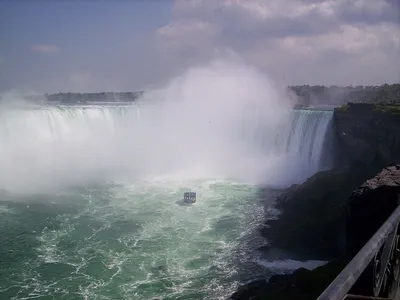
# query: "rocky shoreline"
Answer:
x=334 y=213
x=320 y=222
x=303 y=284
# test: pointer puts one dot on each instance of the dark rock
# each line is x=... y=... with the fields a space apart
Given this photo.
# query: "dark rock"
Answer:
x=334 y=213
x=318 y=213
x=312 y=222
x=251 y=289
x=369 y=206
x=368 y=132
x=303 y=284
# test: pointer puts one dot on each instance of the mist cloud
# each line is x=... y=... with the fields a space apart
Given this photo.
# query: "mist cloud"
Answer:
x=201 y=124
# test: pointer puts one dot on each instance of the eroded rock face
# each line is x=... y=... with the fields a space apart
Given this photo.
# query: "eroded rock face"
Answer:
x=312 y=213
x=312 y=222
x=369 y=206
x=334 y=213
x=368 y=133
x=303 y=284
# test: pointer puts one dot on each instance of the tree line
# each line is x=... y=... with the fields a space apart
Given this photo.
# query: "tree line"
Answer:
x=304 y=95
x=87 y=97
x=307 y=95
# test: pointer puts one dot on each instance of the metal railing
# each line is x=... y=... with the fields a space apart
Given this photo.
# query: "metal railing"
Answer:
x=383 y=251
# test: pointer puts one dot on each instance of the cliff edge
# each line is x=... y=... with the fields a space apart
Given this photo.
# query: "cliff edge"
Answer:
x=368 y=133
x=352 y=219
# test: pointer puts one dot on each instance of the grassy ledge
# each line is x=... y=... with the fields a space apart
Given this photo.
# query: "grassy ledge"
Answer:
x=342 y=108
x=385 y=108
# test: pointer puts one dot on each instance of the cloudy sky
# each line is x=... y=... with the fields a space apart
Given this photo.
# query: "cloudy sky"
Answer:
x=49 y=46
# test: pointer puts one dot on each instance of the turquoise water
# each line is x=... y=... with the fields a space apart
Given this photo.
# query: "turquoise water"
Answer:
x=92 y=208
x=129 y=240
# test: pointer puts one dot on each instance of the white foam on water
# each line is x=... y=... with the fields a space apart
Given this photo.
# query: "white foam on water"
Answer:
x=160 y=242
x=219 y=129
x=283 y=266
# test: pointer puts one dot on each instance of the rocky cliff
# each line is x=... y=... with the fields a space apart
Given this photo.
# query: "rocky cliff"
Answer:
x=368 y=133
x=312 y=222
x=318 y=214
x=369 y=206
x=333 y=213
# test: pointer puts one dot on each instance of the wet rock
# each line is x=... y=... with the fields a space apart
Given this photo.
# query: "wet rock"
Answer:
x=321 y=202
x=369 y=206
x=312 y=222
x=303 y=284
x=368 y=132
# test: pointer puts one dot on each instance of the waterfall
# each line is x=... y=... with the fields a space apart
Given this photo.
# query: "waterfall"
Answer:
x=303 y=139
x=60 y=141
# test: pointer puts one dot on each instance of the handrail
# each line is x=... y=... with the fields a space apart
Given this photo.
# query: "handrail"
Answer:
x=383 y=248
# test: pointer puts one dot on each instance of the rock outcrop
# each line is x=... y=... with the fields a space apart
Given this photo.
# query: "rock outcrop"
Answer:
x=303 y=284
x=323 y=211
x=368 y=133
x=334 y=213
x=369 y=206
x=312 y=222
x=367 y=209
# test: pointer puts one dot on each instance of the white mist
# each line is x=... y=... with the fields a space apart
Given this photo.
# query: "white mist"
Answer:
x=207 y=123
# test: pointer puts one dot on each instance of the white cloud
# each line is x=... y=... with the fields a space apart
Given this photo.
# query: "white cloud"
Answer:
x=45 y=48
x=189 y=33
x=264 y=10
x=348 y=39
x=359 y=36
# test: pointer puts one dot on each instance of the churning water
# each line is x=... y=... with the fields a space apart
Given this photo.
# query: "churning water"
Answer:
x=90 y=201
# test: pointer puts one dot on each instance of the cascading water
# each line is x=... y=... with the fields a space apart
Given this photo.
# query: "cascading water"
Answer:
x=93 y=205
x=116 y=139
x=299 y=146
